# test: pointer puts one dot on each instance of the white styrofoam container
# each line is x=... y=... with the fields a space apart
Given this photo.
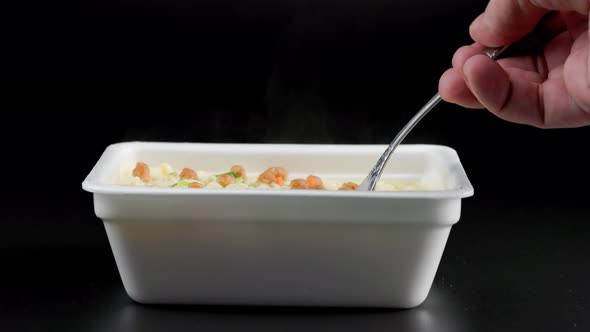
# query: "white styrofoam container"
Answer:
x=280 y=247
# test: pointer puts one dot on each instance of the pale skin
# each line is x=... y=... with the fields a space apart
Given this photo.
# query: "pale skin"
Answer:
x=549 y=89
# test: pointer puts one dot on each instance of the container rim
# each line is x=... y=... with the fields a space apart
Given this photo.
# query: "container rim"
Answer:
x=463 y=189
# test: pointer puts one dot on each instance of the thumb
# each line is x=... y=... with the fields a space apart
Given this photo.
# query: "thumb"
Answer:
x=506 y=21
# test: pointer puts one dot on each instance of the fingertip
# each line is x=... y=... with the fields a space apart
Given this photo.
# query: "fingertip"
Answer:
x=475 y=27
x=475 y=66
x=488 y=81
x=463 y=54
x=452 y=88
x=460 y=56
x=484 y=33
x=447 y=85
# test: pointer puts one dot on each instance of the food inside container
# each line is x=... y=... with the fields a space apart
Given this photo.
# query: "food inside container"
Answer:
x=237 y=177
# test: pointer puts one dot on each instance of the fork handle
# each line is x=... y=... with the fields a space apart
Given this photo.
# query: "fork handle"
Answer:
x=370 y=182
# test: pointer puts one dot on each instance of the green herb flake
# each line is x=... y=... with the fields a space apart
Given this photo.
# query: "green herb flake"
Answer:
x=230 y=173
x=180 y=183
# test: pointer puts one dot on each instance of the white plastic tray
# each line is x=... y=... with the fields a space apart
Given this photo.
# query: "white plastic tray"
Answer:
x=280 y=247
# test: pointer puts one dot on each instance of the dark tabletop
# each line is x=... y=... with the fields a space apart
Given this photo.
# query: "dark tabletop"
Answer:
x=502 y=270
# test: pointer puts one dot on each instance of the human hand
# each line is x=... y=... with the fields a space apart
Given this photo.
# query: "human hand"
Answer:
x=547 y=89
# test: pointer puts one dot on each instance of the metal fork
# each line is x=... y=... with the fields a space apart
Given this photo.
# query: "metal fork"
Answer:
x=371 y=180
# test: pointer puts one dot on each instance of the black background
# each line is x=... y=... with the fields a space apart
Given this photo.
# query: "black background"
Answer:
x=80 y=75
